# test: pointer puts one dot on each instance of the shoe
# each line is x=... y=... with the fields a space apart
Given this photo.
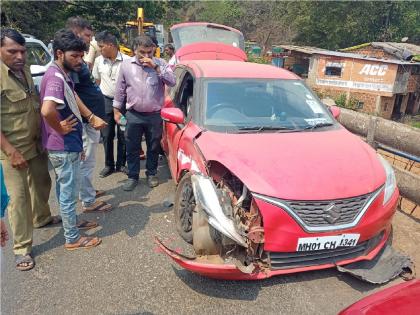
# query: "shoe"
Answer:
x=152 y=181
x=99 y=193
x=24 y=262
x=84 y=243
x=130 y=184
x=98 y=206
x=122 y=169
x=106 y=171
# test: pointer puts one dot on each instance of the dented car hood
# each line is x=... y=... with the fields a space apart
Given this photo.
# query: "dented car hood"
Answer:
x=295 y=165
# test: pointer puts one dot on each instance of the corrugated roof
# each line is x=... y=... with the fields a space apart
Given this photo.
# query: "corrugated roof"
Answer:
x=357 y=56
x=303 y=49
x=401 y=51
x=319 y=51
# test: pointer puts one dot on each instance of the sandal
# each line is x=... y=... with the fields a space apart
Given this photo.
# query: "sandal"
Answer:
x=86 y=225
x=99 y=193
x=24 y=262
x=98 y=206
x=84 y=243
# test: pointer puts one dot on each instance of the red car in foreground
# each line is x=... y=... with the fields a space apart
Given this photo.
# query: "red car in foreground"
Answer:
x=403 y=299
x=268 y=182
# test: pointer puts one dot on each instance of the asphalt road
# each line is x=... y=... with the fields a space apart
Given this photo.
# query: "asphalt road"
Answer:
x=126 y=274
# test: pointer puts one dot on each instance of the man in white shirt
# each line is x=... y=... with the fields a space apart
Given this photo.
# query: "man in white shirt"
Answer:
x=105 y=71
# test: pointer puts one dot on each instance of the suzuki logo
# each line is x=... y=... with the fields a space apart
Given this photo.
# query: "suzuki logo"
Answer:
x=331 y=213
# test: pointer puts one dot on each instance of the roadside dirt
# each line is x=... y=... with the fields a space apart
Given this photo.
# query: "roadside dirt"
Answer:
x=407 y=237
x=406 y=205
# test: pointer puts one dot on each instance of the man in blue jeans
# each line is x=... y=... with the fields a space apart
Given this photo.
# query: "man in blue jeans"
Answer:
x=62 y=131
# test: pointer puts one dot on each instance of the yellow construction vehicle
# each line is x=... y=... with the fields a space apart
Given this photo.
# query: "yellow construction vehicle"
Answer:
x=134 y=29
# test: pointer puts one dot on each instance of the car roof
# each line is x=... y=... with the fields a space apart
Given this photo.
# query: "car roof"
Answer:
x=33 y=40
x=237 y=69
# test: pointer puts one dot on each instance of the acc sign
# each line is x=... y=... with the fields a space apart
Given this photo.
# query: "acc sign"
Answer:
x=379 y=70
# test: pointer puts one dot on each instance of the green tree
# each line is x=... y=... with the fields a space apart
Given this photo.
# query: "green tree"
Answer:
x=43 y=18
x=38 y=18
x=340 y=24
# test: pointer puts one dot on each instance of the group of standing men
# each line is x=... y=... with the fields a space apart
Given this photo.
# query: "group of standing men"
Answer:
x=74 y=107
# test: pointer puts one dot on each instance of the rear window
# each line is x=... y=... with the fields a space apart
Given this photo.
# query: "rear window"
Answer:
x=186 y=35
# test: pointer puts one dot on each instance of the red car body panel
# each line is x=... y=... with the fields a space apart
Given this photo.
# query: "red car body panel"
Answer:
x=325 y=165
x=403 y=298
x=212 y=51
x=297 y=164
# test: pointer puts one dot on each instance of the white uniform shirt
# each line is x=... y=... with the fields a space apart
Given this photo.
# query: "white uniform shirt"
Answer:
x=107 y=71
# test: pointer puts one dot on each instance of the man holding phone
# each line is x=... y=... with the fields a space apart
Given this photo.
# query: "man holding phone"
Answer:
x=141 y=82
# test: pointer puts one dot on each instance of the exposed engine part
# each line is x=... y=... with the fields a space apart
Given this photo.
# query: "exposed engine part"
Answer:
x=249 y=269
x=237 y=205
x=242 y=197
x=205 y=239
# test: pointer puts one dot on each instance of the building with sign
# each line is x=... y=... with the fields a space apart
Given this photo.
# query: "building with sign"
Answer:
x=362 y=78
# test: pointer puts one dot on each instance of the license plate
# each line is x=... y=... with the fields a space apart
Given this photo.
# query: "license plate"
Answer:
x=306 y=244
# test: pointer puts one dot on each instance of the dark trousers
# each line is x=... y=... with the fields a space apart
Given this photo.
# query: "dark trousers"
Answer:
x=149 y=125
x=108 y=135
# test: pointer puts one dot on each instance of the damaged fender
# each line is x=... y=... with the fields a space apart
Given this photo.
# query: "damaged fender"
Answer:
x=206 y=196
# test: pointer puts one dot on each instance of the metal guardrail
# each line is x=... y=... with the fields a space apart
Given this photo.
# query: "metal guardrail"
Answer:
x=399 y=153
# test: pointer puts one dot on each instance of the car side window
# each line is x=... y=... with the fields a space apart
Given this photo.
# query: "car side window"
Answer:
x=184 y=100
x=172 y=90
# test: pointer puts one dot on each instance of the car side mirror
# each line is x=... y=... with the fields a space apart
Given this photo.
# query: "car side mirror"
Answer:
x=335 y=111
x=173 y=115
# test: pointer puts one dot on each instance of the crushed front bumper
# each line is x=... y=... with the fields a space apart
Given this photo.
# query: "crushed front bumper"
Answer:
x=206 y=266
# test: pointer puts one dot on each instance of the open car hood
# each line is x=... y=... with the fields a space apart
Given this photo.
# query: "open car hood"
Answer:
x=321 y=165
x=210 y=51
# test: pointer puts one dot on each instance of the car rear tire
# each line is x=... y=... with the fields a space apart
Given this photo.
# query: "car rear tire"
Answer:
x=183 y=208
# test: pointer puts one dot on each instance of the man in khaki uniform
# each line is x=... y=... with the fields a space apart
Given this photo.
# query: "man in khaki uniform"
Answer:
x=24 y=162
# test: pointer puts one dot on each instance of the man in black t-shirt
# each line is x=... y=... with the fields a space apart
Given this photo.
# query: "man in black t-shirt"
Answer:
x=92 y=97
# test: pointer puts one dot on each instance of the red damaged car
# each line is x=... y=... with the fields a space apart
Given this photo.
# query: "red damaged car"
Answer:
x=268 y=182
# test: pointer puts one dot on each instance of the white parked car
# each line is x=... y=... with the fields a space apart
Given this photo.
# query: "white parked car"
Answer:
x=38 y=58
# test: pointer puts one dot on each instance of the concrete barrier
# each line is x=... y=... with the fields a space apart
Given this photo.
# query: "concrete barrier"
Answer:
x=390 y=133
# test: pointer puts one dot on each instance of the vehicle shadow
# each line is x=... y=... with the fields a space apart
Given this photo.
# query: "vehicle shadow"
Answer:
x=130 y=213
x=249 y=290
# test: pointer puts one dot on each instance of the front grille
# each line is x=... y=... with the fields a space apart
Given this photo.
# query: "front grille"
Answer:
x=312 y=213
x=325 y=215
x=287 y=260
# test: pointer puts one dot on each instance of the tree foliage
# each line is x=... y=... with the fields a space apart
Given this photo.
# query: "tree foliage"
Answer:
x=43 y=18
x=326 y=24
x=340 y=24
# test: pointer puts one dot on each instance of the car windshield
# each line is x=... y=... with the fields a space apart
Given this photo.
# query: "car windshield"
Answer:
x=37 y=55
x=240 y=105
x=206 y=33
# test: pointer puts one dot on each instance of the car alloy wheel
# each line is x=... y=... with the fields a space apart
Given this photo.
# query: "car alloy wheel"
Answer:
x=184 y=207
